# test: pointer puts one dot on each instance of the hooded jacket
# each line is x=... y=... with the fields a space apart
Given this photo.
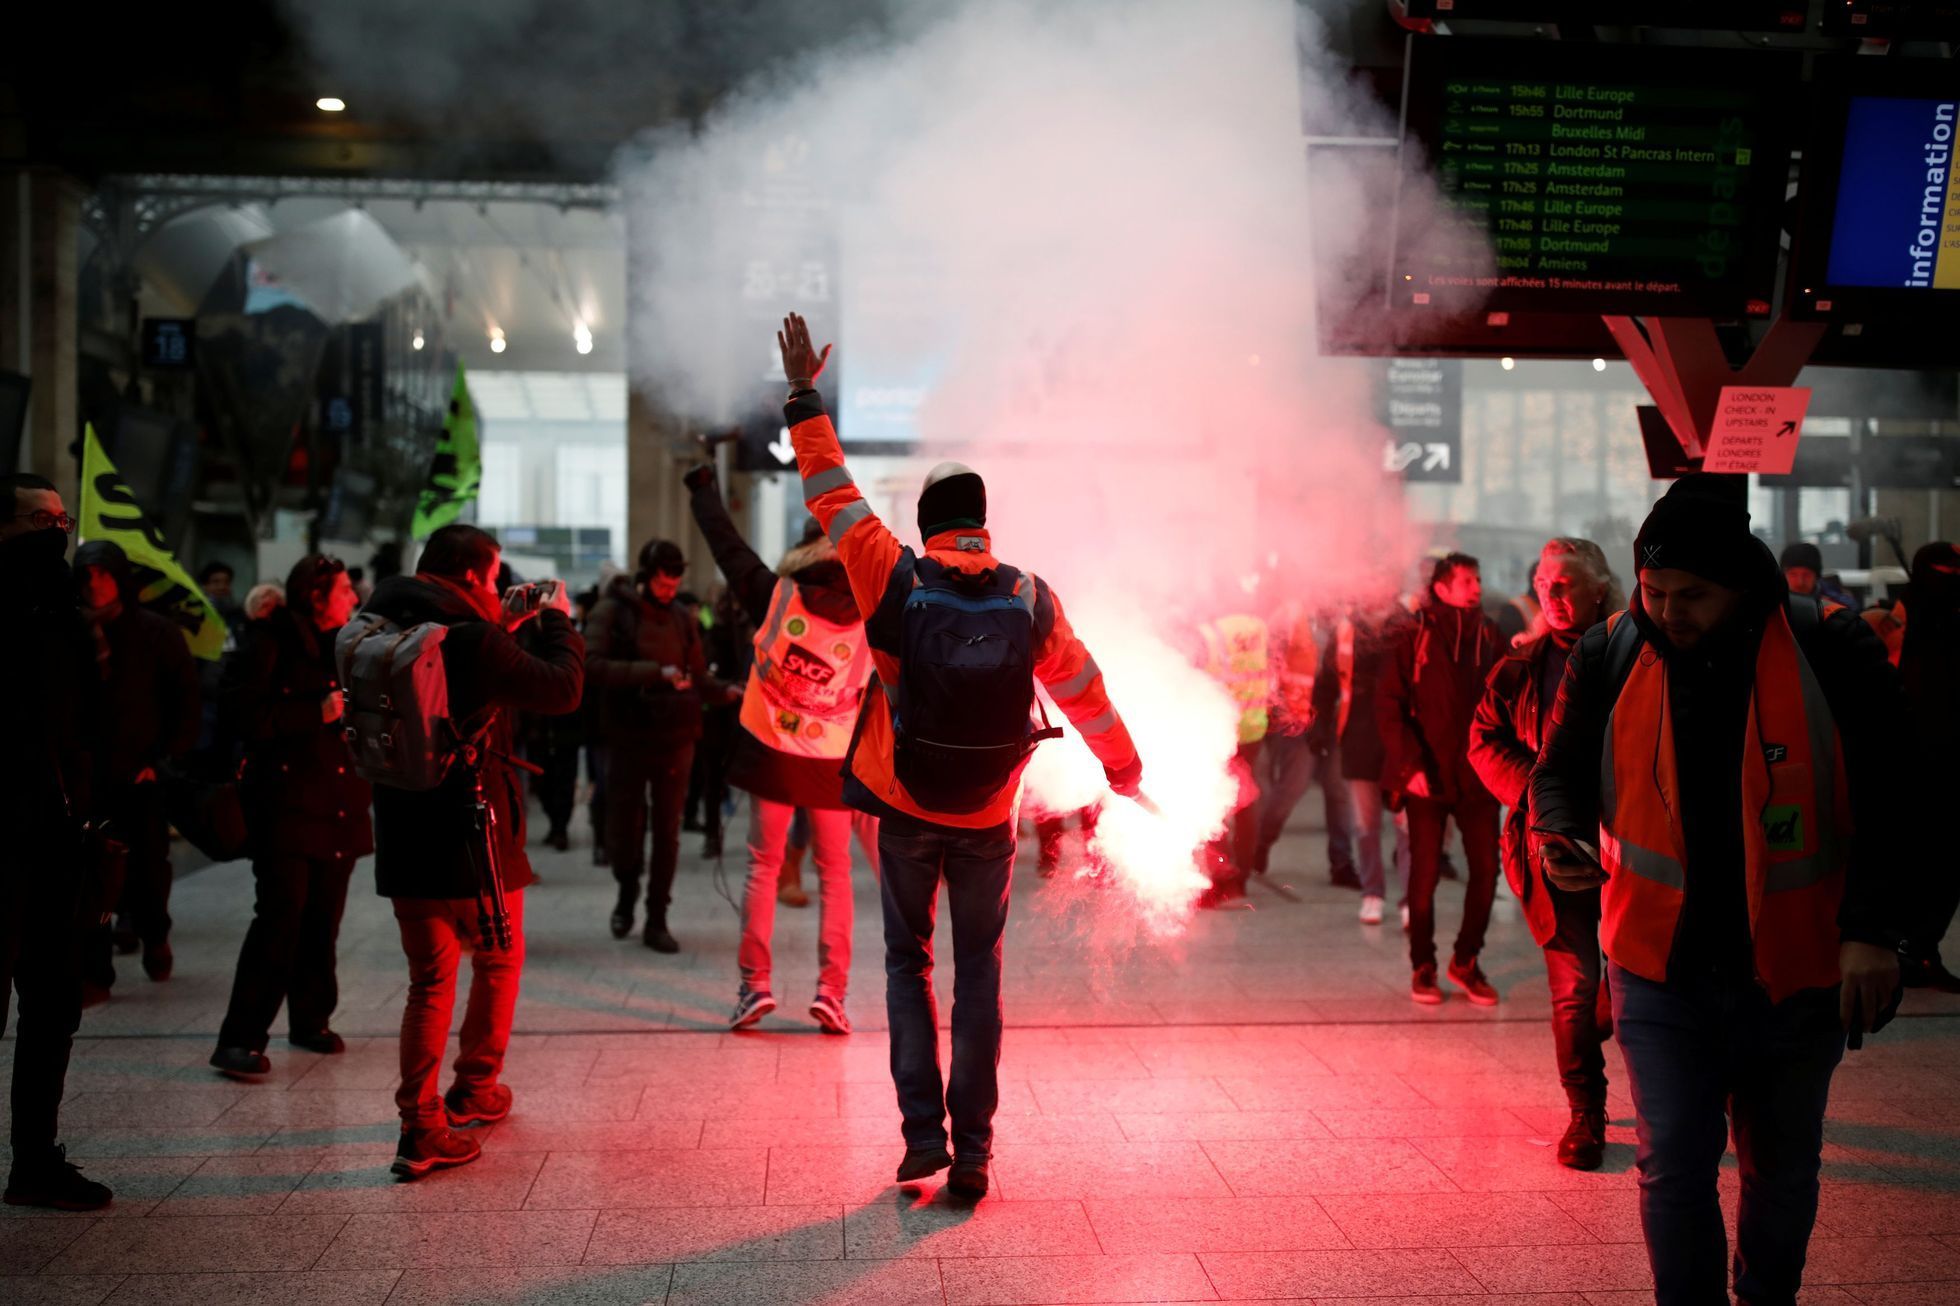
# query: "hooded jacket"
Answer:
x=631 y=638
x=425 y=841
x=1709 y=689
x=1432 y=677
x=151 y=706
x=820 y=582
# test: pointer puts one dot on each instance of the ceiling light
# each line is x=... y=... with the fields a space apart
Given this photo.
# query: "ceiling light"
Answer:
x=417 y=342
x=496 y=340
x=330 y=104
x=1507 y=363
x=1599 y=365
x=582 y=337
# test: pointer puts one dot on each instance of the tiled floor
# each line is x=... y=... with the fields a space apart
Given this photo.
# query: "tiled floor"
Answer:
x=1256 y=1112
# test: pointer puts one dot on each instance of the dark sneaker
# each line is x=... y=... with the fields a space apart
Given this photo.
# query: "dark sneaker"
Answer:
x=968 y=1180
x=1422 y=988
x=483 y=1106
x=1471 y=980
x=159 y=961
x=325 y=1042
x=1584 y=1144
x=829 y=1013
x=51 y=1181
x=751 y=1005
x=558 y=841
x=657 y=938
x=622 y=921
x=242 y=1062
x=441 y=1148
x=921 y=1162
x=711 y=847
x=1344 y=877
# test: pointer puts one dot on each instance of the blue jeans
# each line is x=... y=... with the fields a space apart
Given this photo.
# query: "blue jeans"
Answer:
x=1693 y=1048
x=977 y=866
x=1365 y=825
x=1287 y=769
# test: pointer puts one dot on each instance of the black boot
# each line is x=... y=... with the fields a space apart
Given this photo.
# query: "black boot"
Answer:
x=657 y=937
x=49 y=1180
x=622 y=916
x=1584 y=1145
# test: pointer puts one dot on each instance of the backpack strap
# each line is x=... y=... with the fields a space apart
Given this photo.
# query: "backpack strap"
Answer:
x=884 y=629
x=1622 y=647
x=1806 y=612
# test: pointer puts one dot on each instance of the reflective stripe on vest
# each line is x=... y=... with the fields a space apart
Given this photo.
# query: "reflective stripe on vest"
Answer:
x=1237 y=657
x=807 y=681
x=1796 y=821
x=1344 y=671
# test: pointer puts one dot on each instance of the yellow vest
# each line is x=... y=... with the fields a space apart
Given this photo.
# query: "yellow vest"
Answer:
x=1237 y=656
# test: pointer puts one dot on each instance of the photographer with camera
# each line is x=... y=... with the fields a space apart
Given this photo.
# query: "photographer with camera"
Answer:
x=649 y=672
x=430 y=847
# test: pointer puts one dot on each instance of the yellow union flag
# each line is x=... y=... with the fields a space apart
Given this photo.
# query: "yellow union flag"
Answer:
x=110 y=512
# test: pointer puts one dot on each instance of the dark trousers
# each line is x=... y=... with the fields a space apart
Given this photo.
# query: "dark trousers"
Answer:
x=646 y=784
x=136 y=814
x=288 y=954
x=707 y=786
x=1582 y=1009
x=977 y=866
x=1287 y=769
x=40 y=960
x=596 y=758
x=1477 y=819
x=1693 y=1049
x=557 y=788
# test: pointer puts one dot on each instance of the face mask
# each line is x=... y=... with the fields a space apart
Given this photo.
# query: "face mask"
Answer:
x=38 y=561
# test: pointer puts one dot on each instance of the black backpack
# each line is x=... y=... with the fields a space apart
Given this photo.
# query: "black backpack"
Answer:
x=964 y=716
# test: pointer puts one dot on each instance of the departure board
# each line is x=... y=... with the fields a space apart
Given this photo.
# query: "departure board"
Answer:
x=1583 y=178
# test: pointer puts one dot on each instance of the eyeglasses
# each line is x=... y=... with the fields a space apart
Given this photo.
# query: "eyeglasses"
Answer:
x=41 y=519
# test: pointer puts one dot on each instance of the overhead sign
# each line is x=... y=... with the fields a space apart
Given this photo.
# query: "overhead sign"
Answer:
x=1756 y=429
x=1422 y=407
x=169 y=343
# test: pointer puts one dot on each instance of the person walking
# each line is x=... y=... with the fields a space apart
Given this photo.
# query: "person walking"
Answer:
x=306 y=811
x=1720 y=764
x=1432 y=679
x=1346 y=733
x=1574 y=592
x=647 y=665
x=1929 y=651
x=957 y=640
x=805 y=689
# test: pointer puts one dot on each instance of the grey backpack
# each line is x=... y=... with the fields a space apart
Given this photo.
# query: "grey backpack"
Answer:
x=397 y=695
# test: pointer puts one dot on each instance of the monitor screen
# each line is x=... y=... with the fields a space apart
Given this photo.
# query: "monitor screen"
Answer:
x=1596 y=179
x=1896 y=221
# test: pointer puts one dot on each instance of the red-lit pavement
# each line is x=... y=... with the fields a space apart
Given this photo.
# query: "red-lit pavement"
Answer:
x=1261 y=1114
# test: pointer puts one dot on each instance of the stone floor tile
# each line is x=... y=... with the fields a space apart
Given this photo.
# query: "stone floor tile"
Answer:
x=904 y=1224
x=803 y=1176
x=1452 y=1220
x=365 y=1287
x=498 y=1181
x=404 y=1240
x=321 y=1108
x=1237 y=1059
x=57 y=1289
x=1149 y=1171
x=533 y=1285
x=26 y=1246
x=1330 y=1093
x=233 y=1185
x=1879 y=1210
x=149 y=1110
x=717 y=1233
x=1312 y=1167
x=1016 y=1098
x=1575 y=1268
x=187 y=1140
x=1945 y=1293
x=1204 y=1126
x=191 y=1244
x=318 y=1142
x=701 y=1100
x=791 y=1131
x=139 y=1183
x=1212 y=1224
x=1012 y=1280
x=1425 y=1122
x=771 y=1283
x=1133 y=1097
x=1898 y=1258
x=1038 y=1062
x=655 y=1177
x=527 y=1133
x=1238 y=1275
x=1511 y=1165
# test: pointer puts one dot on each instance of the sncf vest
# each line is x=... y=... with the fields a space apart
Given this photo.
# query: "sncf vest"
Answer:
x=1236 y=655
x=1796 y=820
x=807 y=681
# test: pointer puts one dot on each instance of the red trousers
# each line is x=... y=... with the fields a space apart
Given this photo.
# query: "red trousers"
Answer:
x=435 y=933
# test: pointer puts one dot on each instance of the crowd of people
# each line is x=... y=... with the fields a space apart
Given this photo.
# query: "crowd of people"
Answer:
x=1704 y=795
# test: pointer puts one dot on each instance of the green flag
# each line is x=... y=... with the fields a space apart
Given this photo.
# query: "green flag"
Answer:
x=110 y=512
x=457 y=470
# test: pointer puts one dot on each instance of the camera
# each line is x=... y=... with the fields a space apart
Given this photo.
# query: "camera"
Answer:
x=533 y=597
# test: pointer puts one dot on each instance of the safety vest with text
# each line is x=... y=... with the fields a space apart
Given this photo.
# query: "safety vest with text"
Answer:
x=1796 y=821
x=1237 y=656
x=807 y=681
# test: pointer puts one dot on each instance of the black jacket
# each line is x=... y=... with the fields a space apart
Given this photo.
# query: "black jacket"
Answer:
x=47 y=710
x=1432 y=677
x=300 y=791
x=629 y=639
x=1708 y=690
x=424 y=843
x=1360 y=743
x=821 y=583
x=151 y=706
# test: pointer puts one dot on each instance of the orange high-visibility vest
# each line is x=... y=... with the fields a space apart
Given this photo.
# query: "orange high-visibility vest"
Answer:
x=1796 y=821
x=807 y=681
x=1344 y=670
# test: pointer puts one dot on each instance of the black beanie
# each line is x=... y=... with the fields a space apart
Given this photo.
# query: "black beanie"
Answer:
x=959 y=500
x=1701 y=525
x=1802 y=554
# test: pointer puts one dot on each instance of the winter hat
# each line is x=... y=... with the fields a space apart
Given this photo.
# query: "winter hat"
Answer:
x=663 y=557
x=954 y=496
x=1702 y=525
x=1802 y=554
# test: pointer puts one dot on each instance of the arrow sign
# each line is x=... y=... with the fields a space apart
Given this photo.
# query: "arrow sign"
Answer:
x=785 y=451
x=1435 y=456
x=1756 y=429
